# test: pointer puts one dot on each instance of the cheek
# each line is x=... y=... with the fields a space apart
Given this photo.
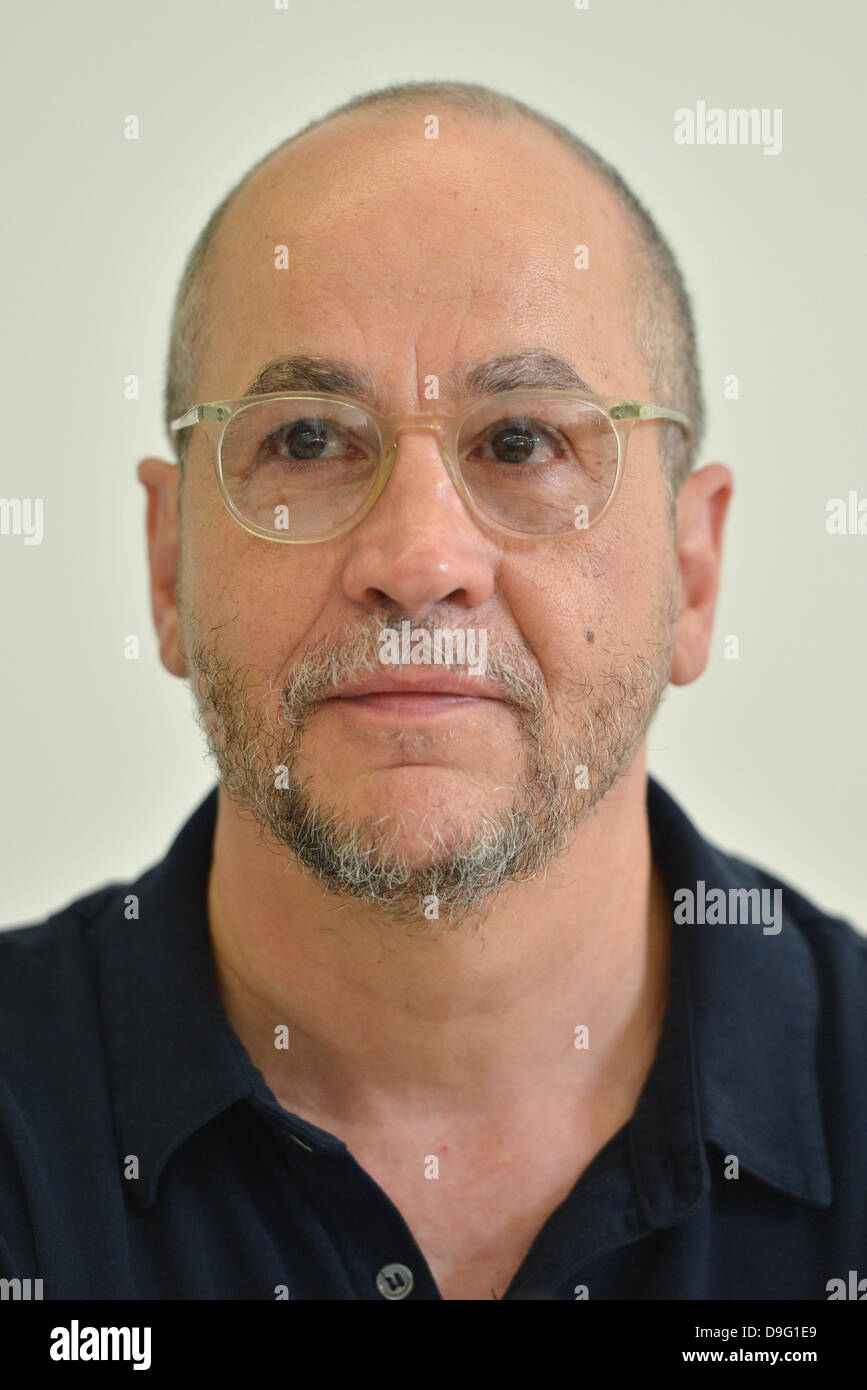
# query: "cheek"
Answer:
x=258 y=602
x=629 y=564
x=588 y=605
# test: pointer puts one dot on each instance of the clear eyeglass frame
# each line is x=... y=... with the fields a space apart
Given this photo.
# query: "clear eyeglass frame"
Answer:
x=215 y=416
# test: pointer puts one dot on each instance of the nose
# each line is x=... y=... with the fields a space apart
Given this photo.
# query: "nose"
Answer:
x=420 y=546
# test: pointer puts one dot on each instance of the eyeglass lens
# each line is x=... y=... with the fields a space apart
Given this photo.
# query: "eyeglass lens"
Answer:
x=302 y=468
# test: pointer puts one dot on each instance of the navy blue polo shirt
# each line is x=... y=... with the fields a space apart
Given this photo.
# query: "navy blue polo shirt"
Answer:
x=143 y=1156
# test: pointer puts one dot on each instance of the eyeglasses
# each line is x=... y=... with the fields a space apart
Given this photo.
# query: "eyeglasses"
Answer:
x=301 y=468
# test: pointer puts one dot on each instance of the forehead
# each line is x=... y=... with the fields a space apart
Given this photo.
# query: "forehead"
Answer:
x=449 y=251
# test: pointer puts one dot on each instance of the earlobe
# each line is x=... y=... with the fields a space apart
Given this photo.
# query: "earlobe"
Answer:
x=161 y=481
x=701 y=513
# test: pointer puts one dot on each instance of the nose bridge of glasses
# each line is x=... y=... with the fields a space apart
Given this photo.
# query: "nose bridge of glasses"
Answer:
x=435 y=424
x=432 y=423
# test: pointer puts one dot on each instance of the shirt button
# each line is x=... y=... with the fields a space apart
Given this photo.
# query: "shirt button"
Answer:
x=394 y=1281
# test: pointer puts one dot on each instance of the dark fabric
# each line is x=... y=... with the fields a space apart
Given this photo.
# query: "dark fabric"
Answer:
x=114 y=1048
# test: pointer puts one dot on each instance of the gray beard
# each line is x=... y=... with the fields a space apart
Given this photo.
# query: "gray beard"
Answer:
x=465 y=868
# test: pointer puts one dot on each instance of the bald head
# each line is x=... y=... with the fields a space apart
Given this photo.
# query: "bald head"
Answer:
x=314 y=167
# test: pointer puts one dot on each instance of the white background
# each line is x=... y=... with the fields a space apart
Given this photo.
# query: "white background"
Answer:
x=101 y=760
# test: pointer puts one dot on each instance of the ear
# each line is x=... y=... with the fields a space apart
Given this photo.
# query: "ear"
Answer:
x=701 y=512
x=162 y=481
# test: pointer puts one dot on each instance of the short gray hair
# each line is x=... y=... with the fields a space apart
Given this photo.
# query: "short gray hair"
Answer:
x=664 y=325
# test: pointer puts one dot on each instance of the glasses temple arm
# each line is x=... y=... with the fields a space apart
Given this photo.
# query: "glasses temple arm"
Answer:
x=200 y=412
x=637 y=410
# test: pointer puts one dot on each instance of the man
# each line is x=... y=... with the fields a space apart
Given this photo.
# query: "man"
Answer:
x=437 y=995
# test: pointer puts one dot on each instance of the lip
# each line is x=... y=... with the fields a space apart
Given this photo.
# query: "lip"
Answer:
x=431 y=686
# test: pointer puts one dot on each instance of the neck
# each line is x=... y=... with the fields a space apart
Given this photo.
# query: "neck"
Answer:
x=482 y=1022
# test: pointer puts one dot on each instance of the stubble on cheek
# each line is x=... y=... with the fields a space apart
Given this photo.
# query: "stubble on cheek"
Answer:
x=604 y=694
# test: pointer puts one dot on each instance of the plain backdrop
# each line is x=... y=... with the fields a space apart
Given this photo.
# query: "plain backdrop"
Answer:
x=101 y=759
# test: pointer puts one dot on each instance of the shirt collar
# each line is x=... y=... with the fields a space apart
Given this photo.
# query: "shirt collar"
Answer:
x=174 y=1061
x=752 y=1010
x=739 y=1038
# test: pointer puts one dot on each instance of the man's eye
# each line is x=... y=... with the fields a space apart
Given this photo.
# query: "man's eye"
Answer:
x=517 y=441
x=303 y=439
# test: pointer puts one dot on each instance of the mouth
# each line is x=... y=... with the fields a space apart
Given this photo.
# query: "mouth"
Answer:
x=423 y=694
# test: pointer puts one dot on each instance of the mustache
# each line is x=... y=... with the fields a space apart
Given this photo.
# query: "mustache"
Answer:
x=355 y=651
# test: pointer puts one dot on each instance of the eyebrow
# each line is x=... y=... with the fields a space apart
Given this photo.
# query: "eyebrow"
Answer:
x=536 y=370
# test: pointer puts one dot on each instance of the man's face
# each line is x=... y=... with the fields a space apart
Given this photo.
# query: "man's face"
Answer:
x=412 y=258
